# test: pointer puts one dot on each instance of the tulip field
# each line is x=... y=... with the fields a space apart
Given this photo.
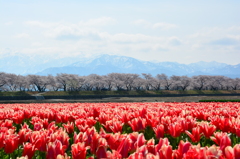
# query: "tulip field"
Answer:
x=120 y=130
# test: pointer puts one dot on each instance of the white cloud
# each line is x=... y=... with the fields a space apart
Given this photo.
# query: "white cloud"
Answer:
x=74 y=31
x=41 y=24
x=134 y=38
x=90 y=23
x=99 y=22
x=22 y=35
x=174 y=41
x=142 y=22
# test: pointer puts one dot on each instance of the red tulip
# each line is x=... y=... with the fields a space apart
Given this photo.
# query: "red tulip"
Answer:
x=54 y=149
x=24 y=135
x=61 y=136
x=236 y=150
x=94 y=143
x=166 y=152
x=218 y=137
x=79 y=151
x=151 y=146
x=229 y=152
x=101 y=152
x=69 y=127
x=137 y=124
x=182 y=149
x=161 y=143
x=196 y=152
x=151 y=120
x=195 y=135
x=11 y=143
x=28 y=150
x=2 y=137
x=225 y=141
x=140 y=141
x=37 y=126
x=18 y=117
x=175 y=129
x=159 y=131
x=136 y=155
x=39 y=140
x=124 y=147
x=214 y=152
x=207 y=129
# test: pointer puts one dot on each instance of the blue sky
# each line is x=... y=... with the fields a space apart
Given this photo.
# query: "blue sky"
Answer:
x=184 y=31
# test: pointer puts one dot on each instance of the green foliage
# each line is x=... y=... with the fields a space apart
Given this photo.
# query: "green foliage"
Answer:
x=126 y=129
x=221 y=100
x=18 y=93
x=98 y=126
x=149 y=133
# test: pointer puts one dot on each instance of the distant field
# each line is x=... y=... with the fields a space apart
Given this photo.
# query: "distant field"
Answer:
x=67 y=93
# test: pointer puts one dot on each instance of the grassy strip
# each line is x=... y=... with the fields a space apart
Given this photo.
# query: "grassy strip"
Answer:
x=221 y=100
x=132 y=92
x=145 y=92
x=18 y=93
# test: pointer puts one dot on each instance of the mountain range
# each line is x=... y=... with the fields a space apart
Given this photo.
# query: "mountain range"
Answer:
x=104 y=64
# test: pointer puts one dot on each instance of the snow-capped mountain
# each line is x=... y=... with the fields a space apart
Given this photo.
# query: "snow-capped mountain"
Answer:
x=104 y=64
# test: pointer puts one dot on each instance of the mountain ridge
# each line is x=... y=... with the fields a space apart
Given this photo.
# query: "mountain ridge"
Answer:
x=104 y=64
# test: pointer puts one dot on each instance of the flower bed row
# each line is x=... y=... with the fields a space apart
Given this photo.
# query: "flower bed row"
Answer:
x=120 y=130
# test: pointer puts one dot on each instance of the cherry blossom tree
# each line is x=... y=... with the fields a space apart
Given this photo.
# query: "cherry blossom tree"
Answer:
x=62 y=79
x=181 y=82
x=2 y=79
x=199 y=82
x=39 y=83
x=235 y=83
x=11 y=81
x=149 y=80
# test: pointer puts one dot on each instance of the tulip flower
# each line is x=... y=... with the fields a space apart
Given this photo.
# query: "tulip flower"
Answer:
x=195 y=135
x=151 y=146
x=183 y=147
x=18 y=117
x=159 y=131
x=54 y=149
x=214 y=152
x=218 y=136
x=140 y=141
x=2 y=137
x=137 y=124
x=69 y=127
x=28 y=150
x=113 y=155
x=124 y=147
x=11 y=143
x=207 y=129
x=39 y=139
x=236 y=150
x=229 y=152
x=24 y=135
x=225 y=141
x=175 y=129
x=101 y=152
x=161 y=143
x=196 y=152
x=79 y=151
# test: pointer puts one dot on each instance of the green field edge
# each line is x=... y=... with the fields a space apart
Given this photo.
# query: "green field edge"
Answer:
x=216 y=100
x=149 y=92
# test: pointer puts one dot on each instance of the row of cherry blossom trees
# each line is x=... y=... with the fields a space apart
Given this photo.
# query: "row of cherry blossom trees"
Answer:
x=114 y=81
